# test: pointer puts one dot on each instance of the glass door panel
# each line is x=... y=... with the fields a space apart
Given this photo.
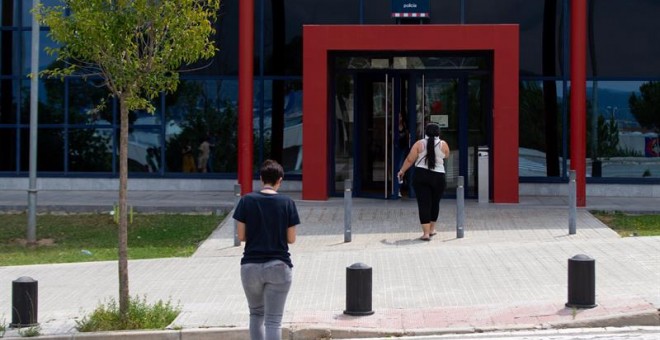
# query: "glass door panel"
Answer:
x=390 y=111
x=344 y=123
x=478 y=104
x=379 y=105
x=438 y=98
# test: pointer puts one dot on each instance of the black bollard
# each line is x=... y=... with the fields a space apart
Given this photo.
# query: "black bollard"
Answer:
x=581 y=282
x=24 y=302
x=358 y=289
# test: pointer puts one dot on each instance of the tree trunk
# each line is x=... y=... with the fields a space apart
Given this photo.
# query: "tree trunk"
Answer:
x=123 y=220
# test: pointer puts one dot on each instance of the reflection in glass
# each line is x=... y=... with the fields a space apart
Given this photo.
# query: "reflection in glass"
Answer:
x=282 y=113
x=439 y=102
x=27 y=8
x=8 y=159
x=198 y=111
x=51 y=102
x=143 y=117
x=8 y=102
x=344 y=118
x=622 y=133
x=225 y=60
x=50 y=150
x=89 y=103
x=532 y=17
x=144 y=151
x=411 y=63
x=301 y=12
x=45 y=60
x=90 y=150
x=616 y=54
x=478 y=132
x=533 y=139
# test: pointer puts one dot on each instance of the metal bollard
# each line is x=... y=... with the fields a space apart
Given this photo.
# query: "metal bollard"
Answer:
x=581 y=282
x=25 y=301
x=358 y=290
x=237 y=197
x=460 y=207
x=348 y=205
x=572 y=202
x=483 y=172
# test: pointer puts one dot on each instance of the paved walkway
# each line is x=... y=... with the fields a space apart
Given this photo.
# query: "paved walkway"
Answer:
x=508 y=272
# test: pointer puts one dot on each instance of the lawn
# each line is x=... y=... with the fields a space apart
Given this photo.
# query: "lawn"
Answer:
x=93 y=237
x=627 y=224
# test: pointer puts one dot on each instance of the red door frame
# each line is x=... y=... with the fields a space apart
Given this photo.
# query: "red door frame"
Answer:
x=502 y=40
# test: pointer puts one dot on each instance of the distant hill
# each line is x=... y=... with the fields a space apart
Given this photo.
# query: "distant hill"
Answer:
x=614 y=98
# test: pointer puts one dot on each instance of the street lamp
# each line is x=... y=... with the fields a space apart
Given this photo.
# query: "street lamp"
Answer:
x=34 y=101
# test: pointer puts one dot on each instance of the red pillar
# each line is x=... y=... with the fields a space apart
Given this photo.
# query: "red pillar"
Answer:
x=579 y=96
x=245 y=88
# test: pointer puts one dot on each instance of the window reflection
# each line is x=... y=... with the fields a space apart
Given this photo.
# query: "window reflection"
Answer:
x=623 y=124
x=144 y=151
x=51 y=102
x=27 y=8
x=89 y=103
x=411 y=63
x=45 y=60
x=90 y=150
x=344 y=121
x=199 y=111
x=8 y=139
x=537 y=143
x=282 y=113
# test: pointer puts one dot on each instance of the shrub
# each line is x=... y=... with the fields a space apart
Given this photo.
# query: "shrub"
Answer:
x=141 y=315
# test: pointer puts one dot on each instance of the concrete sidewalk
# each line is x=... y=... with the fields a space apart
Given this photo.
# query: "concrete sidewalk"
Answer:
x=508 y=272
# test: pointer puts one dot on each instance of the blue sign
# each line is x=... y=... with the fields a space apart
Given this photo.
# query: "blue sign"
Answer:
x=410 y=8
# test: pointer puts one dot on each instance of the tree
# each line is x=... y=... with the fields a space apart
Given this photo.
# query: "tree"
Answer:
x=136 y=48
x=646 y=106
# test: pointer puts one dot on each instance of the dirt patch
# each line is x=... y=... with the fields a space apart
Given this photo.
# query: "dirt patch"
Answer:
x=44 y=242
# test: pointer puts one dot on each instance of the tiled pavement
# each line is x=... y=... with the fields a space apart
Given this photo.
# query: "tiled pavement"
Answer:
x=509 y=271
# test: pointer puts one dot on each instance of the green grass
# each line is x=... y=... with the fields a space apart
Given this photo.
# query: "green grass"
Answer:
x=93 y=237
x=3 y=326
x=631 y=224
x=141 y=315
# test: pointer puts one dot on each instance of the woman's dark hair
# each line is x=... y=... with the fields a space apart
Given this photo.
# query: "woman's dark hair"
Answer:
x=271 y=171
x=431 y=131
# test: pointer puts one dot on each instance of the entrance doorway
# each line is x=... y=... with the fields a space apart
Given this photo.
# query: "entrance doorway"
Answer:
x=379 y=115
x=333 y=54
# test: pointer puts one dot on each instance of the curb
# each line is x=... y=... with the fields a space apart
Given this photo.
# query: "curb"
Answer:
x=648 y=318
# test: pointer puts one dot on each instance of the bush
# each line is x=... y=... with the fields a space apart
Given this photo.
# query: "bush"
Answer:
x=141 y=315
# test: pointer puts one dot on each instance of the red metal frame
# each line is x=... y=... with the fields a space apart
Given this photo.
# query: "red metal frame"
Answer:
x=245 y=88
x=318 y=40
x=579 y=98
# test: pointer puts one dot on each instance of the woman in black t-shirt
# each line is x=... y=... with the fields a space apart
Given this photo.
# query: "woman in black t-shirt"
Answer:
x=266 y=221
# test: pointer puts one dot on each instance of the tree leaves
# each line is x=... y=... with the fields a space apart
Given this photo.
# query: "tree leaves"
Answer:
x=137 y=46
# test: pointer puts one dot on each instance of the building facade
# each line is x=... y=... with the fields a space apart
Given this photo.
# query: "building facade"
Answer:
x=387 y=70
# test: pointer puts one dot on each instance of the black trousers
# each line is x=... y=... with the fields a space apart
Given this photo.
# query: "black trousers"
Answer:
x=429 y=187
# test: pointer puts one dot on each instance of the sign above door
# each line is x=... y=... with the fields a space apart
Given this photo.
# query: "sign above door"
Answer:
x=410 y=8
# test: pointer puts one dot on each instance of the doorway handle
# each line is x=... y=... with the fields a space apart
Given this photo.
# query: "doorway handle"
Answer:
x=422 y=121
x=387 y=145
